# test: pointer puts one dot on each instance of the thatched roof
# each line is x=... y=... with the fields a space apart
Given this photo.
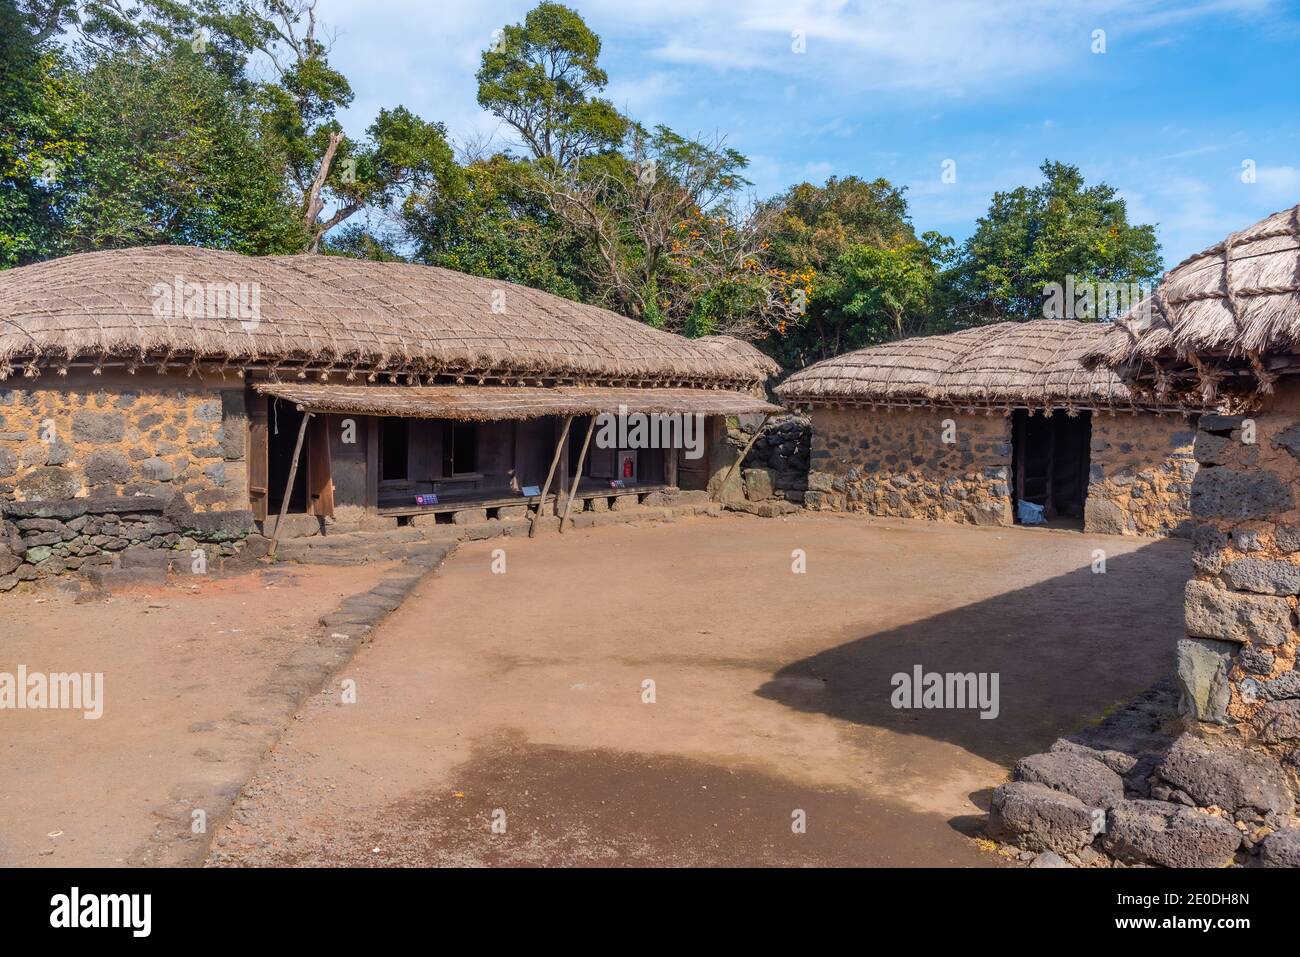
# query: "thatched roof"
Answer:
x=1006 y=365
x=490 y=403
x=173 y=305
x=1217 y=316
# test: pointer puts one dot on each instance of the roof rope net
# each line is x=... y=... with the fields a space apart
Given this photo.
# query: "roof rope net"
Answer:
x=369 y=318
x=1003 y=365
x=1239 y=297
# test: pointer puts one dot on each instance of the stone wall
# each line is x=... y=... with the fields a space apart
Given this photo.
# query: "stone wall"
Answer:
x=1237 y=664
x=934 y=464
x=777 y=463
x=95 y=468
x=43 y=539
x=117 y=435
x=1141 y=475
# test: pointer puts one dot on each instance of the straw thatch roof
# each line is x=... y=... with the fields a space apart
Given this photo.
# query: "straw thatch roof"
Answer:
x=1227 y=316
x=490 y=403
x=1006 y=365
x=178 y=306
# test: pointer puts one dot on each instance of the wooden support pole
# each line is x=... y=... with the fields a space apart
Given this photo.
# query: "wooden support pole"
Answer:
x=577 y=474
x=736 y=464
x=288 y=486
x=555 y=463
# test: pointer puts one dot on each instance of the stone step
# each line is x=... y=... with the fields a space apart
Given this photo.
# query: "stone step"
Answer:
x=113 y=578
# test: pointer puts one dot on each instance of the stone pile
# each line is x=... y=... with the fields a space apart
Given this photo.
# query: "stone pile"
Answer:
x=1128 y=793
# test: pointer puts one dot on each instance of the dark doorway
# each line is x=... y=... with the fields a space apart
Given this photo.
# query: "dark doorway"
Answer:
x=1050 y=456
x=284 y=422
x=394 y=449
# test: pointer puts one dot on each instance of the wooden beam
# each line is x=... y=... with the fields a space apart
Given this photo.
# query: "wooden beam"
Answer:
x=546 y=487
x=736 y=464
x=288 y=486
x=577 y=474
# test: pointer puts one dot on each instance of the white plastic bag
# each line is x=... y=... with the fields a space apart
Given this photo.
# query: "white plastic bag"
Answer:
x=1029 y=513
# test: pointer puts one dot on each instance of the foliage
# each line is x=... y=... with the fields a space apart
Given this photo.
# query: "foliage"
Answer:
x=541 y=78
x=1036 y=235
x=161 y=151
x=850 y=247
x=487 y=219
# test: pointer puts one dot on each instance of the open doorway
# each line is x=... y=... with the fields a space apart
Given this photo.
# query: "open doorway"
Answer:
x=282 y=435
x=1050 y=459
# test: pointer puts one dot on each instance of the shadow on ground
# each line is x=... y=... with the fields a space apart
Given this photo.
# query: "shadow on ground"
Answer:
x=1067 y=651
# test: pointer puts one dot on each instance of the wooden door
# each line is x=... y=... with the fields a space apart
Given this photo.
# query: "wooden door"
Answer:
x=320 y=482
x=259 y=468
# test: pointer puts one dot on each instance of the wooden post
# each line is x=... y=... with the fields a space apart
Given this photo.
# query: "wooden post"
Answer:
x=722 y=489
x=288 y=487
x=555 y=461
x=577 y=475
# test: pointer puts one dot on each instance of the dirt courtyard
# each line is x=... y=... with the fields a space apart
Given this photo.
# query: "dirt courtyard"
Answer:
x=194 y=689
x=678 y=694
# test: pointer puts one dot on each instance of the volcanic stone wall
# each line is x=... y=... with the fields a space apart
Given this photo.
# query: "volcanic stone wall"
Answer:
x=117 y=435
x=1140 y=477
x=92 y=467
x=935 y=464
x=1236 y=666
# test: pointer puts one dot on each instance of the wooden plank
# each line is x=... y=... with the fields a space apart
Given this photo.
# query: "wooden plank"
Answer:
x=372 y=462
x=347 y=459
x=577 y=473
x=320 y=478
x=259 y=456
x=546 y=487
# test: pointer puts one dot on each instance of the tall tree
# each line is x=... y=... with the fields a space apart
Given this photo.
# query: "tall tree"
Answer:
x=488 y=218
x=1032 y=236
x=542 y=78
x=30 y=129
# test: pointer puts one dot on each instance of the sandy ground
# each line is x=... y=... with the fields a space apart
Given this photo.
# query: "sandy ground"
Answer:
x=190 y=704
x=517 y=699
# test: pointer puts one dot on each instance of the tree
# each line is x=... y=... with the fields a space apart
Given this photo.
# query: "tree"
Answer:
x=873 y=294
x=850 y=251
x=541 y=77
x=1032 y=236
x=161 y=151
x=31 y=131
x=487 y=219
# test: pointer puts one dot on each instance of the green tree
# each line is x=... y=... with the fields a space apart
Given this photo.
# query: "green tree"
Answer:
x=487 y=219
x=162 y=151
x=30 y=131
x=849 y=250
x=1032 y=236
x=542 y=78
x=873 y=294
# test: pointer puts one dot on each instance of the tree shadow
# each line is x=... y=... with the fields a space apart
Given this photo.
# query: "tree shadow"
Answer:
x=1068 y=651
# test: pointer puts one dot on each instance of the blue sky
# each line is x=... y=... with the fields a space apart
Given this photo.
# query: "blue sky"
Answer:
x=1184 y=94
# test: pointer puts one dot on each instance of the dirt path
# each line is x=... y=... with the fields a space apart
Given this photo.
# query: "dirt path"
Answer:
x=190 y=701
x=518 y=697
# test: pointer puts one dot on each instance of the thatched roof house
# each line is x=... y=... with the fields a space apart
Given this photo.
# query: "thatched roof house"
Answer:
x=1007 y=365
x=1220 y=324
x=968 y=425
x=327 y=316
x=1224 y=326
x=174 y=374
